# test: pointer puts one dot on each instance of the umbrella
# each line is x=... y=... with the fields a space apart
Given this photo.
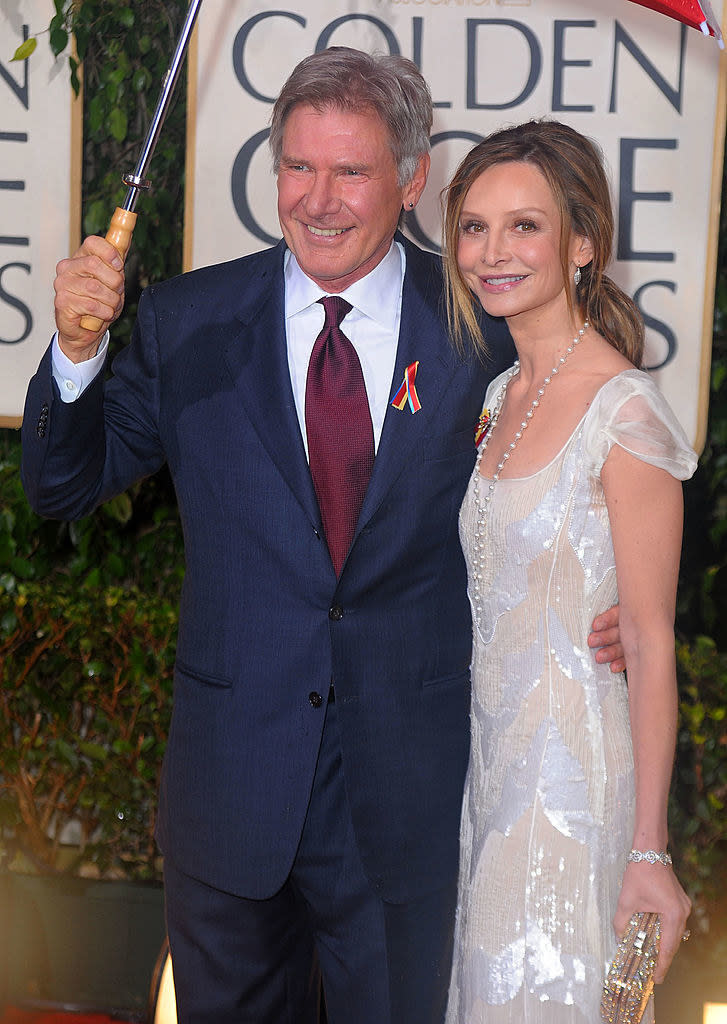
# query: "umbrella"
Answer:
x=124 y=217
x=695 y=13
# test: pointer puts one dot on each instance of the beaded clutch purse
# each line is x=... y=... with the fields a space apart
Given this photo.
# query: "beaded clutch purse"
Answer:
x=630 y=978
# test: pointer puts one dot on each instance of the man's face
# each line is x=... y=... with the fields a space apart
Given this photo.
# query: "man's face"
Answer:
x=338 y=195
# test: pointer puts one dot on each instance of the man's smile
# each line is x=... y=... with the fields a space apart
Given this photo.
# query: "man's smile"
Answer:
x=326 y=232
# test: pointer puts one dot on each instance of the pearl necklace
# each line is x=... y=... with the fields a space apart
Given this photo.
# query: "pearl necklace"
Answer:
x=482 y=502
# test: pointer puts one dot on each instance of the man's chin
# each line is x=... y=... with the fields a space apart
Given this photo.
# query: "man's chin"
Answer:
x=323 y=265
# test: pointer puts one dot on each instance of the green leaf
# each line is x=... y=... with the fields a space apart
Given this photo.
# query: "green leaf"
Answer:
x=118 y=124
x=8 y=583
x=120 y=508
x=66 y=752
x=23 y=568
x=25 y=49
x=93 y=750
x=94 y=223
x=93 y=579
x=96 y=114
x=116 y=565
x=82 y=34
x=141 y=80
x=8 y=622
x=58 y=40
x=75 y=79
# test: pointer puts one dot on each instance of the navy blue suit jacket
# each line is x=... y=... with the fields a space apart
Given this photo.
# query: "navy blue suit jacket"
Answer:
x=264 y=623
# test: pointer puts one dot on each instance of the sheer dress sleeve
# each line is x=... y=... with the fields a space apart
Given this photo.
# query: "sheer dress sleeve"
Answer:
x=630 y=411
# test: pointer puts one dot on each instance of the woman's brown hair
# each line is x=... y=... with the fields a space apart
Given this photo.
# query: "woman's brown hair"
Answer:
x=573 y=167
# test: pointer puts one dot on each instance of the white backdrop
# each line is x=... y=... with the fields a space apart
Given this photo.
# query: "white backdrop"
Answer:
x=40 y=190
x=651 y=91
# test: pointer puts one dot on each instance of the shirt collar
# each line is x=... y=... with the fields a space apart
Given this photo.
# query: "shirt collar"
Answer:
x=378 y=295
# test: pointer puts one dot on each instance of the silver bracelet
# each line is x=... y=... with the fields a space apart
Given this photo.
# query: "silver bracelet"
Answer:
x=650 y=856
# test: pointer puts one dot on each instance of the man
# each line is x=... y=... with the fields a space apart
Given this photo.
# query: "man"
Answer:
x=309 y=810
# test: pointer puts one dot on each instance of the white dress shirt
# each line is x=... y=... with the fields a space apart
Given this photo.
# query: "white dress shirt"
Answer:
x=372 y=326
x=73 y=378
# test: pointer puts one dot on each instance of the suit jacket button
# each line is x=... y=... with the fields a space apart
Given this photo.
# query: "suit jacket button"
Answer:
x=42 y=420
x=335 y=613
x=315 y=699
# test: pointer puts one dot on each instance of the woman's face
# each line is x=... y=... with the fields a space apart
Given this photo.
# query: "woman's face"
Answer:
x=509 y=242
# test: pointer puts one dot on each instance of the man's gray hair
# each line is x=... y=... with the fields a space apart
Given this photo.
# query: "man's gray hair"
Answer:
x=346 y=79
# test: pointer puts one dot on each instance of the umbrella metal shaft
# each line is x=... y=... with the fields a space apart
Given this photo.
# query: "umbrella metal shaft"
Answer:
x=137 y=181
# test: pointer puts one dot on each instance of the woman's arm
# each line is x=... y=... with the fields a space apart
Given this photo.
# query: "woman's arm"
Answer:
x=646 y=511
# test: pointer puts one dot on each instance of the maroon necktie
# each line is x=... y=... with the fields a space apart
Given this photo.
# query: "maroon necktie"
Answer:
x=338 y=426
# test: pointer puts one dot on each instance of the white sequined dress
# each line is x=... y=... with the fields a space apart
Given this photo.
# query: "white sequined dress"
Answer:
x=547 y=812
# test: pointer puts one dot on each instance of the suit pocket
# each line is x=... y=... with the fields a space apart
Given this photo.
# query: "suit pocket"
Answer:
x=437 y=447
x=202 y=677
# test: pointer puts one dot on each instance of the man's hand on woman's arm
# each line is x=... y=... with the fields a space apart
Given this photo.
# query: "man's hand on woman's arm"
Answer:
x=606 y=638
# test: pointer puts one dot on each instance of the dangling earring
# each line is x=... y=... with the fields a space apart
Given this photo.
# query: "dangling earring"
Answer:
x=577 y=276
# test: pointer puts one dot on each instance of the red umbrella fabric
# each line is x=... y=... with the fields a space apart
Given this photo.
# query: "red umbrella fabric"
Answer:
x=696 y=14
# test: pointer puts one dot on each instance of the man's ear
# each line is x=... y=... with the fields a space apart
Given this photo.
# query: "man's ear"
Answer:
x=411 y=192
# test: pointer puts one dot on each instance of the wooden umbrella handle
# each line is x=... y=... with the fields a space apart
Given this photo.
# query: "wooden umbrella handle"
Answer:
x=119 y=234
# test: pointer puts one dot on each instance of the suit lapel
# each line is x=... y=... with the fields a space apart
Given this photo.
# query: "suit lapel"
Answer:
x=422 y=337
x=257 y=359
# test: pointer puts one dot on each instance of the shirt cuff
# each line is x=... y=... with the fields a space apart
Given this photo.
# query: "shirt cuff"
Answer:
x=73 y=378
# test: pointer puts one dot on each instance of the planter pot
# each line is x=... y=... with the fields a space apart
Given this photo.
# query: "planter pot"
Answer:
x=73 y=942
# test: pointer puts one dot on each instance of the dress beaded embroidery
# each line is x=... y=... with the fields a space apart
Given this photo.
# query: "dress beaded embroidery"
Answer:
x=548 y=803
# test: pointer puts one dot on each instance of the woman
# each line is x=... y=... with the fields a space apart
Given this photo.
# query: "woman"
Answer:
x=576 y=489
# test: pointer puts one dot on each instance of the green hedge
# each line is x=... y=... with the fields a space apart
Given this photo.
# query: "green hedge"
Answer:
x=88 y=615
x=84 y=712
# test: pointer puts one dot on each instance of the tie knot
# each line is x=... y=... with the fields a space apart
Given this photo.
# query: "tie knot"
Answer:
x=336 y=309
